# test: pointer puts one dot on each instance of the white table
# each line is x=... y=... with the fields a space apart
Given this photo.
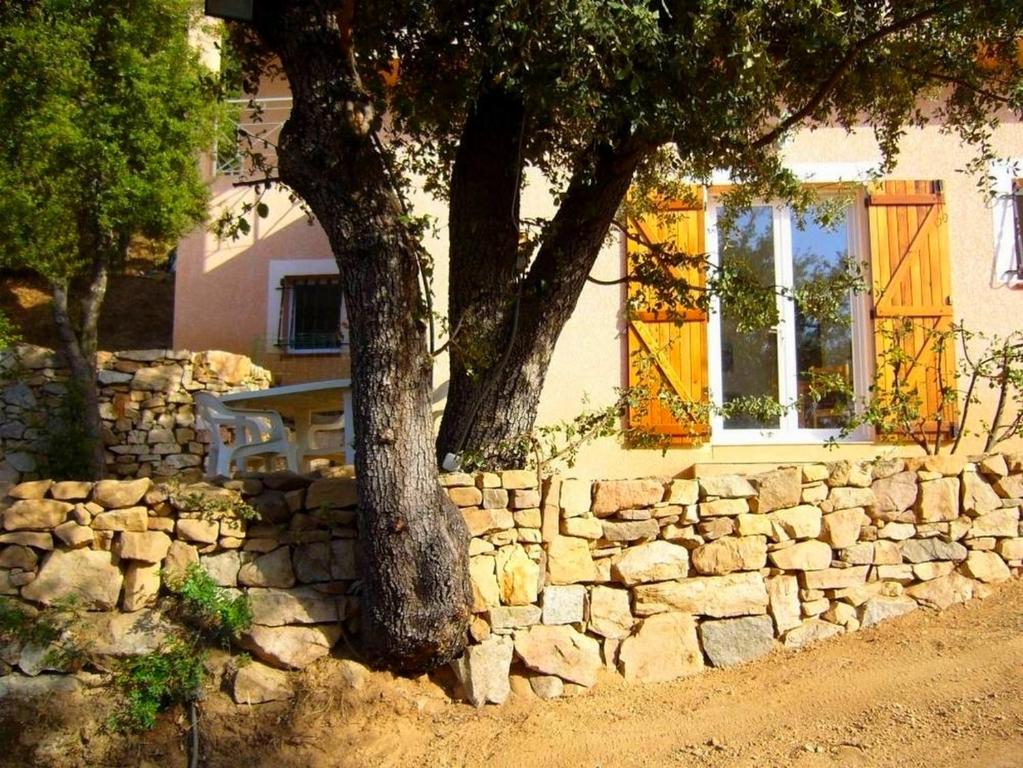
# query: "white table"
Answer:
x=299 y=402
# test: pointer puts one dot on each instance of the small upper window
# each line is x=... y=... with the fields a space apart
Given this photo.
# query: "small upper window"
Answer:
x=1007 y=207
x=312 y=315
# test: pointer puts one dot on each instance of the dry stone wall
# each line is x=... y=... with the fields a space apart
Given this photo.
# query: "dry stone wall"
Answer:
x=145 y=403
x=651 y=578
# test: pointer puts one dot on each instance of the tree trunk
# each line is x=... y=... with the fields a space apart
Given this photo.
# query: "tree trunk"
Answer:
x=416 y=599
x=79 y=350
x=486 y=413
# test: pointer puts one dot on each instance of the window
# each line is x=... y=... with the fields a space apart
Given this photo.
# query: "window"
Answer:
x=312 y=314
x=1007 y=208
x=779 y=363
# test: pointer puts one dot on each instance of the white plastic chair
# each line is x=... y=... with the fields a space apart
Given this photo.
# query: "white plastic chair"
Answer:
x=254 y=434
x=331 y=448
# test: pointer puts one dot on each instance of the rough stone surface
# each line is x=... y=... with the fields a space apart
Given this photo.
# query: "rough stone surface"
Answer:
x=843 y=498
x=483 y=577
x=610 y=613
x=726 y=487
x=1001 y=522
x=804 y=556
x=734 y=641
x=483 y=670
x=302 y=605
x=202 y=531
x=665 y=647
x=257 y=683
x=547 y=686
x=561 y=651
x=613 y=495
x=986 y=567
x=783 y=594
x=632 y=530
x=943 y=592
x=777 y=489
x=118 y=635
x=737 y=594
x=842 y=529
x=801 y=522
x=223 y=568
x=569 y=561
x=42 y=687
x=810 y=632
x=333 y=493
x=835 y=578
x=564 y=604
x=655 y=561
x=518 y=576
x=141 y=585
x=90 y=575
x=148 y=546
x=115 y=494
x=895 y=493
x=290 y=647
x=923 y=550
x=938 y=500
x=36 y=514
x=878 y=609
x=513 y=616
x=179 y=557
x=978 y=495
x=270 y=570
x=731 y=553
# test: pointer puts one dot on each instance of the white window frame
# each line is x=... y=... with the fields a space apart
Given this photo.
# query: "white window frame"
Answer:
x=1002 y=173
x=278 y=271
x=862 y=339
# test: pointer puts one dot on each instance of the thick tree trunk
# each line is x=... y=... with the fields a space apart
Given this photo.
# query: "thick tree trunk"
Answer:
x=486 y=413
x=415 y=599
x=79 y=349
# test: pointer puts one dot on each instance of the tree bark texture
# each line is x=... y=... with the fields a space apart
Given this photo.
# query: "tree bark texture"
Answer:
x=79 y=349
x=488 y=409
x=416 y=598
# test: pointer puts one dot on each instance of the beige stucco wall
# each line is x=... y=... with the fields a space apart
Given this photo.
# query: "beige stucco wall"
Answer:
x=222 y=295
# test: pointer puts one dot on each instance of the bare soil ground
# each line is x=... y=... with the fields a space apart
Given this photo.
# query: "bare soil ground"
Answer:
x=927 y=689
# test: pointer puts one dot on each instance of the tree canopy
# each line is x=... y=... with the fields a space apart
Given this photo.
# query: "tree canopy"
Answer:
x=106 y=107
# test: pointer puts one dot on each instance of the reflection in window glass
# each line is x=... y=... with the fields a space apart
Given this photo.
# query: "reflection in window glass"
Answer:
x=823 y=347
x=749 y=359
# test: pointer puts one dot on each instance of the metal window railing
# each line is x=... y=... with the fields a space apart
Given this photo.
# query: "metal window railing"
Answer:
x=251 y=133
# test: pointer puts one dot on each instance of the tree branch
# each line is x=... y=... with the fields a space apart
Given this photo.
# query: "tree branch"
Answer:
x=839 y=72
x=956 y=81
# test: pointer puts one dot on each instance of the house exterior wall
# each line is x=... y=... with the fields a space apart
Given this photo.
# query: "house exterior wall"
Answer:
x=222 y=296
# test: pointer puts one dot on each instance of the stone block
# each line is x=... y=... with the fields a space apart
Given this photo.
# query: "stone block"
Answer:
x=290 y=647
x=655 y=561
x=31 y=489
x=257 y=683
x=783 y=595
x=978 y=496
x=518 y=577
x=943 y=592
x=141 y=585
x=223 y=568
x=809 y=632
x=726 y=487
x=483 y=521
x=576 y=497
x=36 y=514
x=561 y=651
x=611 y=496
x=514 y=479
x=938 y=500
x=665 y=647
x=148 y=546
x=483 y=671
x=569 y=561
x=633 y=530
x=777 y=489
x=564 y=604
x=800 y=522
x=683 y=492
x=730 y=554
x=465 y=497
x=878 y=609
x=89 y=575
x=723 y=508
x=835 y=578
x=1002 y=522
x=117 y=494
x=583 y=527
x=610 y=614
x=841 y=529
x=495 y=498
x=301 y=605
x=986 y=567
x=737 y=594
x=513 y=616
x=843 y=498
x=735 y=641
x=202 y=531
x=803 y=556
x=924 y=550
x=332 y=493
x=270 y=570
x=134 y=519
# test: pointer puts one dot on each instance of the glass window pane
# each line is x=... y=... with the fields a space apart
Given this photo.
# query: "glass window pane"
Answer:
x=317 y=315
x=749 y=359
x=823 y=346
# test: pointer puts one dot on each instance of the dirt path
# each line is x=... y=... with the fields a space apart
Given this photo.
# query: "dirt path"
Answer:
x=925 y=690
x=935 y=690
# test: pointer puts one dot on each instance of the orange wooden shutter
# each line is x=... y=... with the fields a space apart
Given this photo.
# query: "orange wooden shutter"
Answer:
x=912 y=291
x=664 y=353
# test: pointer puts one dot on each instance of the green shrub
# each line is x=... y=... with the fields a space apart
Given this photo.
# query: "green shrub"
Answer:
x=209 y=608
x=147 y=684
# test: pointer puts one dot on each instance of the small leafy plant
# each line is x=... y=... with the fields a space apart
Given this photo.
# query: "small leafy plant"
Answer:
x=210 y=609
x=174 y=674
x=49 y=627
